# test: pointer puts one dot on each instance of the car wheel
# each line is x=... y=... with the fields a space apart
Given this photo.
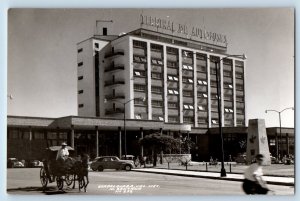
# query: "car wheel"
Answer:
x=127 y=167
x=100 y=168
x=94 y=169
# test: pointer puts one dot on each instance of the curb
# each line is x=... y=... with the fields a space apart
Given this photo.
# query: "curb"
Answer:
x=216 y=178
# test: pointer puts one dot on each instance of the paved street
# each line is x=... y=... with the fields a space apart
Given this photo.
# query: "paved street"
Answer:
x=111 y=182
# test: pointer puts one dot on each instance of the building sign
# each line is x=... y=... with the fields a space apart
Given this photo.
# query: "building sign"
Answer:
x=182 y=30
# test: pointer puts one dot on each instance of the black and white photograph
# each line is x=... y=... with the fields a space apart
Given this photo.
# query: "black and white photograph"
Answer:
x=150 y=101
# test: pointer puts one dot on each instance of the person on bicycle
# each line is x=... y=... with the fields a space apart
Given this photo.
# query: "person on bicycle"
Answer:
x=253 y=182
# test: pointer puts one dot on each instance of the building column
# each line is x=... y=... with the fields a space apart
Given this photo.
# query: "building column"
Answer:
x=142 y=136
x=97 y=141
x=72 y=136
x=30 y=141
x=120 y=141
x=287 y=144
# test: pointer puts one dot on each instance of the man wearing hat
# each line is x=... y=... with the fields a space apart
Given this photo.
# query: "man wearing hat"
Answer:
x=253 y=182
x=62 y=153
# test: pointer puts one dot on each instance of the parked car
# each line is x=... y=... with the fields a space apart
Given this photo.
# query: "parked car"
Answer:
x=34 y=164
x=14 y=163
x=111 y=162
x=241 y=158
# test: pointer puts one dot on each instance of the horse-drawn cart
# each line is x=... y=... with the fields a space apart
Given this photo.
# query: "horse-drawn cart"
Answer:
x=54 y=170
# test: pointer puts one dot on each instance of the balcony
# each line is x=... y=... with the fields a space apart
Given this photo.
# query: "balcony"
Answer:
x=115 y=53
x=114 y=111
x=111 y=83
x=114 y=68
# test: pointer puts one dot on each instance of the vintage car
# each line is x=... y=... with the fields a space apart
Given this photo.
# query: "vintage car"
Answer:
x=111 y=162
x=14 y=163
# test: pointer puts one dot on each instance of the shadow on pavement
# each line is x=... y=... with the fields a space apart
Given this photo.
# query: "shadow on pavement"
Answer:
x=47 y=190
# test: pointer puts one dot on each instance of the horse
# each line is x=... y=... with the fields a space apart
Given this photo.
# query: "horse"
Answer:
x=81 y=171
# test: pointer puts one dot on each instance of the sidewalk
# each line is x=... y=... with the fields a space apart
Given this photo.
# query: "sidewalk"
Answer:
x=275 y=180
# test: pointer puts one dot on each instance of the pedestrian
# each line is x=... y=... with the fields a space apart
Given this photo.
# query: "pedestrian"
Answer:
x=211 y=160
x=253 y=182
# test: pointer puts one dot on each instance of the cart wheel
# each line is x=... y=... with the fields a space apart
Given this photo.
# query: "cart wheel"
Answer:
x=81 y=182
x=69 y=179
x=59 y=183
x=43 y=177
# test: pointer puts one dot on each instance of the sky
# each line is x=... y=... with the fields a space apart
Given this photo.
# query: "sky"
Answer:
x=42 y=54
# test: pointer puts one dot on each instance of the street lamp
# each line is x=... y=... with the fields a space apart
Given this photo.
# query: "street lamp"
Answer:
x=124 y=105
x=217 y=61
x=276 y=137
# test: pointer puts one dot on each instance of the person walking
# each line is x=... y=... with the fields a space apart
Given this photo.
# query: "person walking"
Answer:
x=253 y=182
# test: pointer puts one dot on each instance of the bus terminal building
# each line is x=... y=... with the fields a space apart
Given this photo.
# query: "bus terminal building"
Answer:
x=161 y=77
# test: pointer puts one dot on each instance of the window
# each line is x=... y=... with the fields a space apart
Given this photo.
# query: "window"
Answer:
x=171 y=50
x=139 y=59
x=239 y=87
x=157 y=117
x=187 y=93
x=104 y=31
x=227 y=97
x=173 y=119
x=202 y=120
x=171 y=91
x=213 y=83
x=172 y=78
x=139 y=87
x=156 y=75
x=80 y=92
x=79 y=50
x=214 y=121
x=157 y=103
x=156 y=47
x=227 y=73
x=202 y=82
x=139 y=101
x=139 y=44
x=201 y=108
x=80 y=77
x=239 y=75
x=188 y=107
x=201 y=69
x=213 y=71
x=156 y=89
x=173 y=105
x=80 y=105
x=240 y=98
x=188 y=119
x=138 y=116
x=140 y=73
x=171 y=64
x=80 y=64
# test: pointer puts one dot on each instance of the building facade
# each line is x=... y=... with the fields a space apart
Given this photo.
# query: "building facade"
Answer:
x=172 y=79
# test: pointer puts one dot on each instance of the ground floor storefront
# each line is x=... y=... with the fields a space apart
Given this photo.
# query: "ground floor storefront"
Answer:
x=28 y=137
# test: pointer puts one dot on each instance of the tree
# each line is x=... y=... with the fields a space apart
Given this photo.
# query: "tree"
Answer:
x=159 y=142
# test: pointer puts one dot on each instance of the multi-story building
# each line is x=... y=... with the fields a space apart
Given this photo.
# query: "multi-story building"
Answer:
x=172 y=79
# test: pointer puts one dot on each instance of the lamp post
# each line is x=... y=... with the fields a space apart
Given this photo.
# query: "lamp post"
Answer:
x=218 y=75
x=124 y=118
x=279 y=148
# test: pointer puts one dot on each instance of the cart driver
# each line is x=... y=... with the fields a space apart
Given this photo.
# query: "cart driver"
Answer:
x=62 y=153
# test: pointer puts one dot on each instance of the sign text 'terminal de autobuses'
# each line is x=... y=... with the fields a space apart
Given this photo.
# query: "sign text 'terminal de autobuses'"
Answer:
x=180 y=29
